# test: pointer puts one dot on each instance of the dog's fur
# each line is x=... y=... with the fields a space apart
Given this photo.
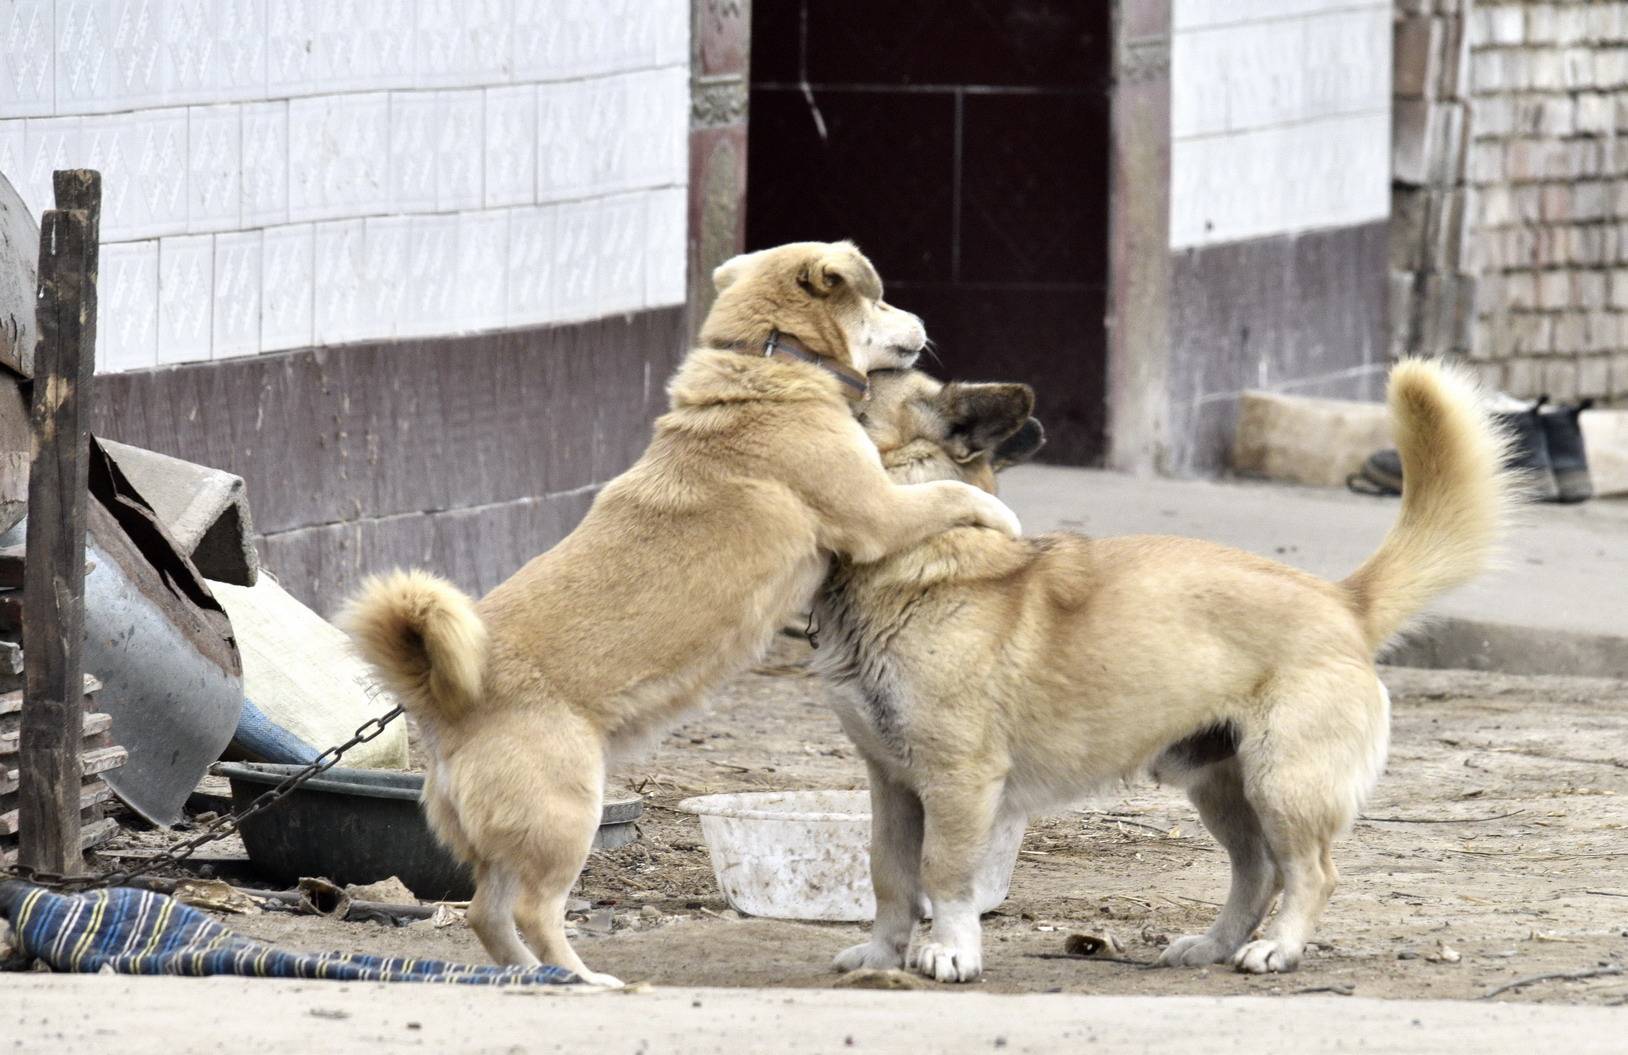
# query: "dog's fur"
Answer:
x=676 y=579
x=995 y=677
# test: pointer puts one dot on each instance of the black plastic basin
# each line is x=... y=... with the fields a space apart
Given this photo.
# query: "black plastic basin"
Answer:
x=364 y=825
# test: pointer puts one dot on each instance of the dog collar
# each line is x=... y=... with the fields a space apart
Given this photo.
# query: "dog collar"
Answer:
x=784 y=346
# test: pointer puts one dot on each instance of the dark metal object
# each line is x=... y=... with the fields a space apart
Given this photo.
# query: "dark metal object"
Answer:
x=361 y=826
x=217 y=829
x=54 y=575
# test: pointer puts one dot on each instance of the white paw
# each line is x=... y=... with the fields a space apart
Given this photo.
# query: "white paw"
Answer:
x=607 y=981
x=946 y=963
x=868 y=955
x=1001 y=517
x=1193 y=950
x=1266 y=957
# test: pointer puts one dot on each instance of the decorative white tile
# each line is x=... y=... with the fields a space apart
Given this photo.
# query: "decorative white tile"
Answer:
x=265 y=164
x=329 y=46
x=464 y=43
x=669 y=22
x=286 y=287
x=414 y=127
x=338 y=151
x=215 y=167
x=27 y=58
x=109 y=55
x=580 y=142
x=238 y=258
x=576 y=260
x=533 y=254
x=143 y=159
x=482 y=269
x=511 y=145
x=384 y=272
x=623 y=224
x=666 y=246
x=656 y=128
x=415 y=123
x=14 y=156
x=432 y=288
x=213 y=50
x=1333 y=172
x=127 y=307
x=339 y=302
x=186 y=281
x=460 y=151
x=50 y=143
x=546 y=34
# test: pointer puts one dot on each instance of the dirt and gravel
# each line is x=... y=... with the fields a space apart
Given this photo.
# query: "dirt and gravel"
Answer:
x=1494 y=850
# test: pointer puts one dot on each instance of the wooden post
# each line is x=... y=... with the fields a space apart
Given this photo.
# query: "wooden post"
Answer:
x=53 y=714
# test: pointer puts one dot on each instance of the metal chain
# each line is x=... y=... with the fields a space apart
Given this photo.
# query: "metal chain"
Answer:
x=217 y=829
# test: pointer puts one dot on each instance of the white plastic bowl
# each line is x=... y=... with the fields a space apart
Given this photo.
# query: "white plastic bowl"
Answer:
x=806 y=854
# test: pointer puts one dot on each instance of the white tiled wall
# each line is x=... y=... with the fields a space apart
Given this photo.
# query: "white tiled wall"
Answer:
x=1280 y=117
x=283 y=173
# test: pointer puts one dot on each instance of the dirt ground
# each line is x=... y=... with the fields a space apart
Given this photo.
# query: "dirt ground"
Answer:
x=1493 y=850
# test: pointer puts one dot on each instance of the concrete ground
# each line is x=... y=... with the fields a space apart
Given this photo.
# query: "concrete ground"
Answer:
x=175 y=1016
x=1558 y=605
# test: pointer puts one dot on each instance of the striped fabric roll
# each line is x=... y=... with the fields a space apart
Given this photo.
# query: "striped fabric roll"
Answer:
x=140 y=932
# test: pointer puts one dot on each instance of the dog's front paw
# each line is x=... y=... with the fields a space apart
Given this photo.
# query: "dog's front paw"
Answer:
x=868 y=955
x=993 y=513
x=1266 y=957
x=1193 y=950
x=947 y=963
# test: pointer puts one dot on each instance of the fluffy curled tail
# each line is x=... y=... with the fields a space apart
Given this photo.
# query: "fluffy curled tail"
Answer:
x=423 y=636
x=1456 y=497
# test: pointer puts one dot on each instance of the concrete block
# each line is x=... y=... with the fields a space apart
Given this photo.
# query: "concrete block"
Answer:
x=511 y=149
x=432 y=289
x=143 y=160
x=214 y=50
x=464 y=43
x=482 y=255
x=1596 y=113
x=1554 y=290
x=206 y=511
x=384 y=272
x=1594 y=379
x=1588 y=289
x=1411 y=136
x=337 y=266
x=110 y=55
x=337 y=154
x=1317 y=442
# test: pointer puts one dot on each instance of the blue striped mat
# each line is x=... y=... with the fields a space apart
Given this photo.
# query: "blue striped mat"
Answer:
x=140 y=932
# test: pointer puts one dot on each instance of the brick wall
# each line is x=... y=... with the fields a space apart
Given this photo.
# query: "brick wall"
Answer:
x=1511 y=168
x=282 y=174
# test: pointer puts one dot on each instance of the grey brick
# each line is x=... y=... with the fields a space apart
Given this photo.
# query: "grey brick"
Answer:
x=1619 y=375
x=1602 y=331
x=1521 y=378
x=1560 y=379
x=1619 y=289
x=1588 y=289
x=1570 y=333
x=1596 y=113
x=1410 y=141
x=1416 y=56
x=1554 y=290
x=1594 y=377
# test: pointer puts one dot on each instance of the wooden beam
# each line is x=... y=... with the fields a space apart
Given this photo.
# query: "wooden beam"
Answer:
x=52 y=726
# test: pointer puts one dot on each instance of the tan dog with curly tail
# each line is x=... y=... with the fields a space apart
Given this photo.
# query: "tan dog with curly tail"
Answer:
x=677 y=578
x=995 y=678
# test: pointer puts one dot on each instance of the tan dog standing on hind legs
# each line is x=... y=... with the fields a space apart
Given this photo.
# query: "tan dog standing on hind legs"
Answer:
x=677 y=578
x=995 y=678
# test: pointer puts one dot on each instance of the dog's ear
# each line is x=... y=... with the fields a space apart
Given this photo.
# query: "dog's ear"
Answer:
x=1021 y=445
x=725 y=274
x=982 y=416
x=839 y=265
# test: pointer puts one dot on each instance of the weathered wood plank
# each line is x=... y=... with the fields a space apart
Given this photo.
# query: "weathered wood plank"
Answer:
x=53 y=725
x=90 y=836
x=95 y=725
x=91 y=794
x=12 y=702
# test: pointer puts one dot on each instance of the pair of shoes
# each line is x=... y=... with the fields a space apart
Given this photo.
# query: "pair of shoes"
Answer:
x=1546 y=446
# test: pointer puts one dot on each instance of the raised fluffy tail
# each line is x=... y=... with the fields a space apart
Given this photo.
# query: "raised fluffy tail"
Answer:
x=423 y=636
x=1456 y=497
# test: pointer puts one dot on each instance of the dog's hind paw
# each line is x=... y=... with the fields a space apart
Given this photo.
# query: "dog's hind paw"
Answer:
x=608 y=981
x=1266 y=957
x=1193 y=950
x=945 y=963
x=868 y=955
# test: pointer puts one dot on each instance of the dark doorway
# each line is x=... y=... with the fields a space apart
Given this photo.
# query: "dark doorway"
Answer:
x=964 y=145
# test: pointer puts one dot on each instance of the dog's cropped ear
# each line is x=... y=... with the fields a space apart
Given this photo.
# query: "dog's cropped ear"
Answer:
x=981 y=416
x=1021 y=445
x=836 y=266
